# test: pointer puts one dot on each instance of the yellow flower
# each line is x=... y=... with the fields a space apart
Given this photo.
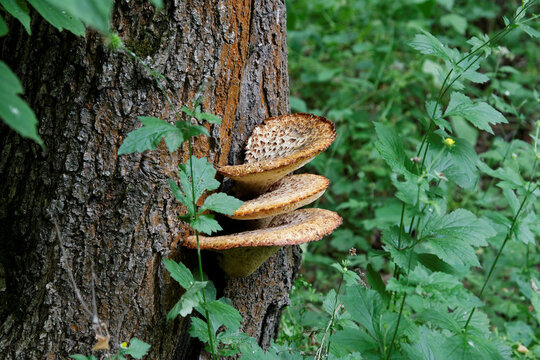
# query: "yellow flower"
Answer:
x=123 y=345
x=449 y=141
x=522 y=349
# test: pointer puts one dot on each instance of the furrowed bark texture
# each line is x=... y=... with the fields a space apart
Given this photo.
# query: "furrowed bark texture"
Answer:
x=116 y=213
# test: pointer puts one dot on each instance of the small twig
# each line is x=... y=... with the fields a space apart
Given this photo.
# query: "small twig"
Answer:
x=70 y=273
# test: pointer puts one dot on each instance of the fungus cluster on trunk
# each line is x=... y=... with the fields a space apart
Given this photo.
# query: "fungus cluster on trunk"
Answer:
x=275 y=149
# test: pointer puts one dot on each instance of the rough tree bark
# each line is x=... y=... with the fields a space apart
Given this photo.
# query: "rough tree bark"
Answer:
x=116 y=212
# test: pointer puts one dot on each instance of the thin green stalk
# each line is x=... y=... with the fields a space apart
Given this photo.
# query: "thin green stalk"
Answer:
x=156 y=76
x=396 y=268
x=207 y=314
x=508 y=236
x=444 y=88
x=319 y=352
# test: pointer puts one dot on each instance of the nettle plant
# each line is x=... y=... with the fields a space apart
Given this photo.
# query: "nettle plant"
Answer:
x=424 y=311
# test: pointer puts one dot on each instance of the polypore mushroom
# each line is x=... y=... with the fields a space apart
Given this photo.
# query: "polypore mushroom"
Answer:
x=277 y=147
x=288 y=194
x=241 y=254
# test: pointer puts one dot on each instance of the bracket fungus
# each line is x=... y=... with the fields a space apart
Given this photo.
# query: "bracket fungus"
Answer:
x=241 y=254
x=277 y=147
x=288 y=194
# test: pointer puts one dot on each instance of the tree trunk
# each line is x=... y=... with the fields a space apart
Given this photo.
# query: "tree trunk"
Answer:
x=116 y=213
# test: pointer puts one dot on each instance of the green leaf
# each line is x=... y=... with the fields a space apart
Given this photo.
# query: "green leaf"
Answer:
x=365 y=306
x=211 y=118
x=137 y=348
x=390 y=147
x=352 y=339
x=452 y=236
x=57 y=18
x=157 y=3
x=457 y=163
x=428 y=348
x=95 y=13
x=374 y=279
x=222 y=312
x=512 y=200
x=3 y=27
x=82 y=357
x=189 y=300
x=206 y=224
x=13 y=110
x=190 y=130
x=221 y=203
x=180 y=273
x=478 y=114
x=199 y=329
x=19 y=10
x=430 y=45
x=182 y=198
x=149 y=136
x=458 y=22
x=203 y=176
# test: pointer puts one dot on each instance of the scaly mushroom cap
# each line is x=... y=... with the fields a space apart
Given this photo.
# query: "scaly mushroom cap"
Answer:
x=279 y=146
x=294 y=228
x=288 y=194
x=241 y=254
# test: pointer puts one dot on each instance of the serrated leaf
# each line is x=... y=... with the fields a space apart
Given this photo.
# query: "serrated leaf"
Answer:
x=365 y=307
x=434 y=112
x=412 y=189
x=390 y=147
x=137 y=348
x=452 y=236
x=189 y=300
x=183 y=199
x=221 y=203
x=222 y=312
x=57 y=18
x=180 y=273
x=149 y=136
x=374 y=279
x=206 y=224
x=19 y=10
x=13 y=110
x=430 y=45
x=457 y=163
x=203 y=175
x=191 y=130
x=95 y=13
x=512 y=199
x=348 y=340
x=428 y=348
x=522 y=231
x=211 y=118
x=199 y=329
x=479 y=114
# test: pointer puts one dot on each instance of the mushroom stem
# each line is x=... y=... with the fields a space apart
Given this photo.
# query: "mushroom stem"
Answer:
x=241 y=262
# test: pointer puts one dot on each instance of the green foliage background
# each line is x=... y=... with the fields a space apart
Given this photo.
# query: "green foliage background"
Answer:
x=355 y=62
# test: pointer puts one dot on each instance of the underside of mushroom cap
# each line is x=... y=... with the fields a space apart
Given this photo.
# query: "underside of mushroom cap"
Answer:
x=288 y=194
x=294 y=228
x=279 y=146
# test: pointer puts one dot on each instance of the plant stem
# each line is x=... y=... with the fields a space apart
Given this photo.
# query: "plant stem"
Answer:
x=508 y=236
x=319 y=352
